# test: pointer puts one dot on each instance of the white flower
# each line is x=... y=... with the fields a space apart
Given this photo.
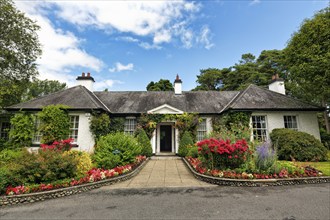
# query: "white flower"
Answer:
x=221 y=174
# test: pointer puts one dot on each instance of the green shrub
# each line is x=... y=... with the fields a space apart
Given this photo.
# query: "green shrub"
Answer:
x=44 y=167
x=184 y=143
x=55 y=123
x=144 y=141
x=22 y=130
x=193 y=152
x=84 y=162
x=325 y=138
x=99 y=125
x=116 y=149
x=298 y=145
x=8 y=156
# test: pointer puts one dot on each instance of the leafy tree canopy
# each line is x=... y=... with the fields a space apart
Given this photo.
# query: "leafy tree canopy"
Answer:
x=307 y=57
x=19 y=49
x=161 y=85
x=38 y=88
x=248 y=70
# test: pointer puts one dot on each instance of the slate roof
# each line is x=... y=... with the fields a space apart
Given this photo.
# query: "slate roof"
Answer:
x=252 y=98
x=256 y=98
x=142 y=102
x=77 y=98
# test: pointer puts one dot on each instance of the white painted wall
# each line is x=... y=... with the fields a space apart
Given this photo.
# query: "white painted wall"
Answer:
x=178 y=88
x=85 y=140
x=307 y=121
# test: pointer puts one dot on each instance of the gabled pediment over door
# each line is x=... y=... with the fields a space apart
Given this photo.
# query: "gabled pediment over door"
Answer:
x=165 y=109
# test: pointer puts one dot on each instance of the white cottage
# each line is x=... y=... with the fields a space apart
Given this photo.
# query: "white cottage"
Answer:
x=269 y=108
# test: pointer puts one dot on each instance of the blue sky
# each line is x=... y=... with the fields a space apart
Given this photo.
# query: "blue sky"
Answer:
x=127 y=44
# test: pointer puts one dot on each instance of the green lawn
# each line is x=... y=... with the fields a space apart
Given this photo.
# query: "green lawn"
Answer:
x=322 y=166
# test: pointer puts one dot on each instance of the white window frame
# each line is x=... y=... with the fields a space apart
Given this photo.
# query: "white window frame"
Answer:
x=4 y=133
x=37 y=134
x=263 y=136
x=130 y=125
x=74 y=127
x=290 y=123
x=202 y=129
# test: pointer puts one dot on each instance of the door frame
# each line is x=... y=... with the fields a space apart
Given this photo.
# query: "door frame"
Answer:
x=172 y=133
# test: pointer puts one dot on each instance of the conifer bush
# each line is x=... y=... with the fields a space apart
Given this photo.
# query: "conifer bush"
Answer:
x=143 y=139
x=184 y=144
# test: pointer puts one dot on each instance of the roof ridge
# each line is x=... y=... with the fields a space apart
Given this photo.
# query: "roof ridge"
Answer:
x=93 y=96
x=286 y=96
x=237 y=97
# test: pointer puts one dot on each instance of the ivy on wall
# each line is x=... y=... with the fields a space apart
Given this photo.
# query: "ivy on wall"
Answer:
x=230 y=120
x=22 y=130
x=55 y=123
x=99 y=125
x=232 y=125
x=183 y=122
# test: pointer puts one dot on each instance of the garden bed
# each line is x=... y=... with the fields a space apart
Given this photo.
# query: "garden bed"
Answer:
x=222 y=181
x=70 y=190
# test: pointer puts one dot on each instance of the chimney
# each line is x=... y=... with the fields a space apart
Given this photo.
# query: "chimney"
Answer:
x=277 y=84
x=178 y=85
x=86 y=81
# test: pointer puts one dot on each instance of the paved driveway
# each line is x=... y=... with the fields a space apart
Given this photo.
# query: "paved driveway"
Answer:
x=285 y=203
x=162 y=173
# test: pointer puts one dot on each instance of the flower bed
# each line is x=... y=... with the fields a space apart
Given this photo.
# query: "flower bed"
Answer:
x=307 y=171
x=94 y=175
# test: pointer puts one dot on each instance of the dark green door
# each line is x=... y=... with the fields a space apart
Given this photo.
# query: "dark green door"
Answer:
x=165 y=138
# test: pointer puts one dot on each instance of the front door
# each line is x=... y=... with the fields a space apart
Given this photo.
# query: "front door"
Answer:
x=165 y=138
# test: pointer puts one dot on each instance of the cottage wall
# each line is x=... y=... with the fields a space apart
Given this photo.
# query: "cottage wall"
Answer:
x=85 y=140
x=307 y=121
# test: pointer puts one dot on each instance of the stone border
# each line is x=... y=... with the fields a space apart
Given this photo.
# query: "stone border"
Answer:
x=256 y=182
x=67 y=191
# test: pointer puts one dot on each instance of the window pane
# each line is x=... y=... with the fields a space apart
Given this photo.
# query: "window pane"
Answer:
x=290 y=122
x=130 y=125
x=259 y=128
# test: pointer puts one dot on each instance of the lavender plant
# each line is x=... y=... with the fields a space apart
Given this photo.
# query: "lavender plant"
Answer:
x=265 y=157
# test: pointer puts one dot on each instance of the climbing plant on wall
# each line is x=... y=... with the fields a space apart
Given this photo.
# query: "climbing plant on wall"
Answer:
x=232 y=123
x=116 y=124
x=183 y=122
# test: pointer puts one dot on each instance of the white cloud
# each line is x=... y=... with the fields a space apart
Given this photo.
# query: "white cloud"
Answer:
x=121 y=67
x=254 y=2
x=204 y=37
x=155 y=19
x=61 y=49
x=104 y=84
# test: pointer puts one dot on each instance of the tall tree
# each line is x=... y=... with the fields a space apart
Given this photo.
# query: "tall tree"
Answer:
x=307 y=57
x=209 y=79
x=19 y=49
x=161 y=85
x=38 y=88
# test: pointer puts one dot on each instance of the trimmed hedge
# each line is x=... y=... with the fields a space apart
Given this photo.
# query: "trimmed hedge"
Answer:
x=297 y=145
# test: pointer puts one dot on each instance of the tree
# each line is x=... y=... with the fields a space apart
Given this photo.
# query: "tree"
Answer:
x=19 y=49
x=38 y=88
x=307 y=57
x=209 y=79
x=161 y=85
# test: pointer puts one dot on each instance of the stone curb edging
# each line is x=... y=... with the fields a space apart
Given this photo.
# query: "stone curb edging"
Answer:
x=67 y=191
x=256 y=182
